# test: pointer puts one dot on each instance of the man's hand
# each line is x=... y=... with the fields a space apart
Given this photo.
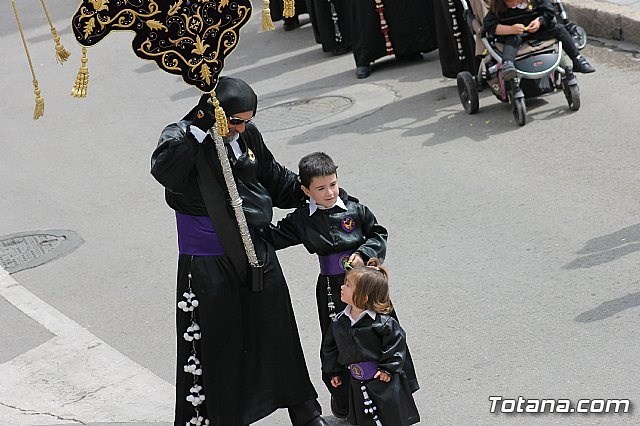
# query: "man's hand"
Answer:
x=336 y=381
x=383 y=376
x=205 y=117
x=355 y=260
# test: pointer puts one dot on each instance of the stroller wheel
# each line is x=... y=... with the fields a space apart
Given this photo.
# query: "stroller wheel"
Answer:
x=519 y=111
x=572 y=93
x=580 y=37
x=468 y=91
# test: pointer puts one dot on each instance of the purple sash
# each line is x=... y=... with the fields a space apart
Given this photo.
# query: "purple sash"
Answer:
x=196 y=236
x=363 y=370
x=333 y=264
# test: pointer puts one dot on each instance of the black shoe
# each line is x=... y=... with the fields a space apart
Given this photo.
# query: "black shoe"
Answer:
x=338 y=412
x=508 y=71
x=318 y=421
x=580 y=64
x=291 y=23
x=363 y=71
x=341 y=50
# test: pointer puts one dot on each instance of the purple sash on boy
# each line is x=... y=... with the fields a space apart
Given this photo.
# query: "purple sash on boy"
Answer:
x=333 y=264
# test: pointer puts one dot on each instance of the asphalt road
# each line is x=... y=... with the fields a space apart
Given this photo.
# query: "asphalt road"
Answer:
x=513 y=251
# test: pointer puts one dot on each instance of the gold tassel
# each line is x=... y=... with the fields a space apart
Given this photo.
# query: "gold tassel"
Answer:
x=221 y=118
x=267 y=23
x=39 y=111
x=82 y=80
x=289 y=9
x=62 y=54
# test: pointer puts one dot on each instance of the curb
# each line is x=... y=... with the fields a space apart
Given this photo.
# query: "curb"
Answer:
x=606 y=20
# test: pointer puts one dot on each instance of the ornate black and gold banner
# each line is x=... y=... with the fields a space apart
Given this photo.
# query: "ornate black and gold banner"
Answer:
x=190 y=38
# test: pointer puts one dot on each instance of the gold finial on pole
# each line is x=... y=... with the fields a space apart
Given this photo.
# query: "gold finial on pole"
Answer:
x=221 y=118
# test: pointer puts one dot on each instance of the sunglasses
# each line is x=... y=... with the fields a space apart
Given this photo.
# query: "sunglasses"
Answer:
x=238 y=121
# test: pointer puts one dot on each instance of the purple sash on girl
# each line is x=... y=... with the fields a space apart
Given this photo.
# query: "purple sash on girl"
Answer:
x=363 y=370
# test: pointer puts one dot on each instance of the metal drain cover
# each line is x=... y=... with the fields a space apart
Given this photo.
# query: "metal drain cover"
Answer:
x=298 y=113
x=30 y=249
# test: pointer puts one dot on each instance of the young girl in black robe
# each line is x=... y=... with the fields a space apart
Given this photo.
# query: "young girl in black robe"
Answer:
x=338 y=228
x=370 y=343
x=513 y=21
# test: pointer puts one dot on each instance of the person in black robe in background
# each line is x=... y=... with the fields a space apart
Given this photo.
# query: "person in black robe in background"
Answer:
x=239 y=356
x=369 y=342
x=338 y=228
x=277 y=7
x=331 y=24
x=456 y=44
x=408 y=32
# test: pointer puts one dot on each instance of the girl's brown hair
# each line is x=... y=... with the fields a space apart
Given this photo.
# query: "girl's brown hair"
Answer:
x=371 y=287
x=498 y=7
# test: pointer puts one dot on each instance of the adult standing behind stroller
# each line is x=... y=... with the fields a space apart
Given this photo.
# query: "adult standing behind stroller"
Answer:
x=404 y=28
x=513 y=21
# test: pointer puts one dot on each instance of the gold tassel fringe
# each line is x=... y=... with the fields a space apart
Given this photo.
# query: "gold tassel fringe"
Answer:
x=62 y=54
x=267 y=23
x=82 y=80
x=221 y=118
x=39 y=111
x=289 y=9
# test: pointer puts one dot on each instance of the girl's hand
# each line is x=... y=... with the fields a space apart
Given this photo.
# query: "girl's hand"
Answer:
x=336 y=381
x=518 y=28
x=355 y=260
x=533 y=26
x=382 y=375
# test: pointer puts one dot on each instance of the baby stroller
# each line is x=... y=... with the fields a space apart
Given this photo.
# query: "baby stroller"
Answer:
x=539 y=65
x=577 y=32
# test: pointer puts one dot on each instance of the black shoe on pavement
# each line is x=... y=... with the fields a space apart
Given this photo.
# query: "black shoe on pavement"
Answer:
x=291 y=23
x=338 y=412
x=508 y=71
x=580 y=64
x=363 y=71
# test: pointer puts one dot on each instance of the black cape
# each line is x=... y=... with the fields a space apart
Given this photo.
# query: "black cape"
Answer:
x=382 y=340
x=456 y=44
x=249 y=341
x=411 y=28
x=324 y=29
x=277 y=6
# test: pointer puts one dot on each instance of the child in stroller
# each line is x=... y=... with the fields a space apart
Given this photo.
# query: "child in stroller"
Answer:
x=512 y=21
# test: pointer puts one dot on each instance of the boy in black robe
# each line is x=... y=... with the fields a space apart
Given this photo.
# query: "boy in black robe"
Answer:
x=339 y=229
x=234 y=346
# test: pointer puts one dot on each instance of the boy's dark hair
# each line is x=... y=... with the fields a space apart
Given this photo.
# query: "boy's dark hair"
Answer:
x=316 y=164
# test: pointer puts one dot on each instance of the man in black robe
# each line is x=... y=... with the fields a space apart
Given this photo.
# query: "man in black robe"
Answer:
x=378 y=28
x=331 y=26
x=239 y=356
x=456 y=43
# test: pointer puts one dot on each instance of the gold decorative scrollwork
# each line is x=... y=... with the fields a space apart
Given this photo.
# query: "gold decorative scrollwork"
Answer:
x=187 y=37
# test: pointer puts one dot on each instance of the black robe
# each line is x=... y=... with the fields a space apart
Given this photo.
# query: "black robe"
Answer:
x=324 y=29
x=322 y=233
x=382 y=340
x=456 y=44
x=411 y=28
x=249 y=341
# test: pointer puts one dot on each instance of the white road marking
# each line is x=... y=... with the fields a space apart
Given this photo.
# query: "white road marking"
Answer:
x=75 y=377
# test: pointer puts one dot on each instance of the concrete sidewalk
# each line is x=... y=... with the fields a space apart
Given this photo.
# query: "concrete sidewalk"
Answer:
x=609 y=19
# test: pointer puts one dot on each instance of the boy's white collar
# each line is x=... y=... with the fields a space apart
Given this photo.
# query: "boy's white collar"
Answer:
x=313 y=206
